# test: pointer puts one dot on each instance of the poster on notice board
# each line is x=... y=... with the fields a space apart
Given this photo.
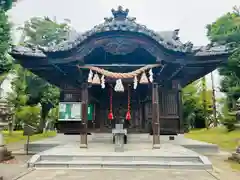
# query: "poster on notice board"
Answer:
x=72 y=111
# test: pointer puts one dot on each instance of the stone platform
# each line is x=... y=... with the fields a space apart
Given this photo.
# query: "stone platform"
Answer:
x=60 y=139
x=100 y=154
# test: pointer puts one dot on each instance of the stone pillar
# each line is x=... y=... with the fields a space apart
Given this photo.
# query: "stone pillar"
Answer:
x=4 y=154
x=84 y=99
x=155 y=116
x=2 y=147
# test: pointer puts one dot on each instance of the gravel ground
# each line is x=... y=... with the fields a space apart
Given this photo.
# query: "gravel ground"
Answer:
x=14 y=167
x=222 y=169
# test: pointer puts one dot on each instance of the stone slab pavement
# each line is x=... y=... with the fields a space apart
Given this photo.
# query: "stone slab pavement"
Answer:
x=221 y=171
x=113 y=174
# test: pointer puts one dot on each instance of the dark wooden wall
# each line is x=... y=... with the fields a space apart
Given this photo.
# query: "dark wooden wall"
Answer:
x=169 y=110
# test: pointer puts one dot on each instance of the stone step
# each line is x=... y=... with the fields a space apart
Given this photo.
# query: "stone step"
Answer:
x=115 y=164
x=119 y=158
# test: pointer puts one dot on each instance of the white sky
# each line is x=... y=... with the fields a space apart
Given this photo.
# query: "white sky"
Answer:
x=190 y=16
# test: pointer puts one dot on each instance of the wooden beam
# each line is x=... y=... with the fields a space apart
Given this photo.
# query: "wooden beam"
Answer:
x=197 y=76
x=178 y=70
x=118 y=65
x=194 y=61
x=203 y=61
x=59 y=69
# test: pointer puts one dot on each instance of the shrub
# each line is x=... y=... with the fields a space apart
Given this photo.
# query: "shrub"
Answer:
x=29 y=115
x=229 y=122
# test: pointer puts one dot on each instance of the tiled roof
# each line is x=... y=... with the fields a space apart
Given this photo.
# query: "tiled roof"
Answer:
x=210 y=50
x=121 y=22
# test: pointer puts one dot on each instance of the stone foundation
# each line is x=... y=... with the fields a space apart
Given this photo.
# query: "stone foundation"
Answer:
x=235 y=157
x=5 y=155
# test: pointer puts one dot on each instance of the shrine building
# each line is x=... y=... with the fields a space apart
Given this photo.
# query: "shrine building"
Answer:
x=125 y=71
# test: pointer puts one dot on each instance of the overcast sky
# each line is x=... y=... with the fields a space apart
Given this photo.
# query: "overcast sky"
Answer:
x=190 y=16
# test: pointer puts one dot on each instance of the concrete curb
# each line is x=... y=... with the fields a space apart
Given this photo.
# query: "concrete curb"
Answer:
x=35 y=158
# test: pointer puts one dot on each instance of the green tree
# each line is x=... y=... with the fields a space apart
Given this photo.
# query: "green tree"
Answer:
x=193 y=106
x=18 y=98
x=5 y=40
x=226 y=30
x=43 y=93
x=43 y=32
x=29 y=115
x=6 y=4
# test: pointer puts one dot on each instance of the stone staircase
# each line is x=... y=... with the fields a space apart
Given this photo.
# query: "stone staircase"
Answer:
x=135 y=156
x=120 y=162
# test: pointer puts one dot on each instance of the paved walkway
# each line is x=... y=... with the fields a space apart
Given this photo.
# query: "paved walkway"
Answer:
x=117 y=175
x=221 y=171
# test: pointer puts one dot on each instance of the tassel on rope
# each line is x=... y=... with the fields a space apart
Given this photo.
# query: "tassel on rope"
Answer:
x=135 y=82
x=110 y=114
x=103 y=81
x=96 y=79
x=150 y=75
x=128 y=114
x=119 y=86
x=143 y=79
x=90 y=76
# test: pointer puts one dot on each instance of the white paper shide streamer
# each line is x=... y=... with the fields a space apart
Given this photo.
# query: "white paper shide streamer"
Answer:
x=90 y=76
x=150 y=75
x=119 y=86
x=135 y=82
x=103 y=81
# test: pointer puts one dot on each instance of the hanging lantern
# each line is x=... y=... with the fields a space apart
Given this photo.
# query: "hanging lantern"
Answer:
x=103 y=81
x=128 y=114
x=110 y=114
x=143 y=79
x=135 y=82
x=150 y=75
x=90 y=76
x=96 y=79
x=119 y=86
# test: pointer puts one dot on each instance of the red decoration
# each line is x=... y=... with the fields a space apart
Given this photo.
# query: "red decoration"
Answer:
x=128 y=114
x=110 y=114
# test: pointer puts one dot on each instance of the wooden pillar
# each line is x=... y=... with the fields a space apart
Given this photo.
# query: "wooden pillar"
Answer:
x=177 y=86
x=84 y=99
x=155 y=116
x=180 y=112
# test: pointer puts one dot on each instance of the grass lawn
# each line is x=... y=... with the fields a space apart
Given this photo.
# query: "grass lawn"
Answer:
x=17 y=136
x=227 y=141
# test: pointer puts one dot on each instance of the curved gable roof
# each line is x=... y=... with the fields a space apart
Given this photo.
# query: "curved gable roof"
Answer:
x=121 y=22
